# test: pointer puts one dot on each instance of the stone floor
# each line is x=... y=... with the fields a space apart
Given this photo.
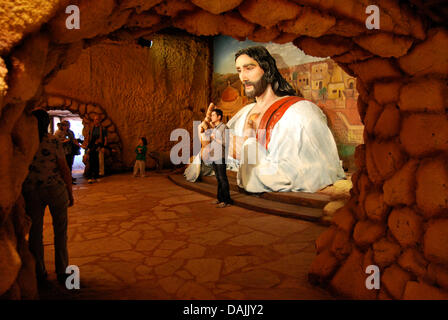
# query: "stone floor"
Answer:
x=146 y=238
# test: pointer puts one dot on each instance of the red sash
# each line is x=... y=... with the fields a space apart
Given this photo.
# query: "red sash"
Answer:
x=272 y=116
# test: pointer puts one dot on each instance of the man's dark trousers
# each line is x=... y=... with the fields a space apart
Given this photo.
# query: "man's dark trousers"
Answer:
x=223 y=183
x=94 y=164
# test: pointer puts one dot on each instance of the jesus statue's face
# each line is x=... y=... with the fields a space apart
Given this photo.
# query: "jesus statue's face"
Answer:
x=251 y=75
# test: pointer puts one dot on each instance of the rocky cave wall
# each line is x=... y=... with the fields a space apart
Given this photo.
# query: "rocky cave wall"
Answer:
x=144 y=91
x=397 y=215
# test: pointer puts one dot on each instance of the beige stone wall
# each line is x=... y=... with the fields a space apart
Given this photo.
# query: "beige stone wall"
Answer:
x=144 y=91
x=397 y=215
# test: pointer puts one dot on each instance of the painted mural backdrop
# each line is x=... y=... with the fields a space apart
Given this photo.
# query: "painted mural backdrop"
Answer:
x=320 y=80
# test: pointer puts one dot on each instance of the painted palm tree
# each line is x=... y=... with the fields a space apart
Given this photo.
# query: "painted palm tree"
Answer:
x=323 y=94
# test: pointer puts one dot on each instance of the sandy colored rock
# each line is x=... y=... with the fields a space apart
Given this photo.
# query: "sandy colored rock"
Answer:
x=204 y=269
x=432 y=187
x=331 y=207
x=431 y=97
x=310 y=22
x=375 y=68
x=373 y=112
x=385 y=252
x=10 y=263
x=343 y=218
x=384 y=44
x=55 y=101
x=367 y=232
x=285 y=38
x=346 y=28
x=341 y=246
x=24 y=17
x=387 y=158
x=28 y=65
x=436 y=241
x=267 y=13
x=422 y=134
x=322 y=267
x=360 y=156
x=384 y=295
x=192 y=290
x=421 y=291
x=26 y=278
x=406 y=226
x=386 y=92
x=143 y=20
x=354 y=55
x=139 y=5
x=388 y=123
x=172 y=8
x=413 y=261
x=17 y=154
x=98 y=75
x=349 y=280
x=364 y=187
x=201 y=23
x=400 y=189
x=325 y=239
x=262 y=34
x=394 y=18
x=438 y=274
x=234 y=25
x=324 y=46
x=428 y=57
x=376 y=208
x=217 y=6
x=394 y=279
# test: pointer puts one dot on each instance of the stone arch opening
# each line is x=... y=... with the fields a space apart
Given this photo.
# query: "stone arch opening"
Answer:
x=112 y=158
x=396 y=217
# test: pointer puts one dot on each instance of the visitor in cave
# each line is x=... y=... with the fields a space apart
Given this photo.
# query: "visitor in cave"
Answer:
x=48 y=183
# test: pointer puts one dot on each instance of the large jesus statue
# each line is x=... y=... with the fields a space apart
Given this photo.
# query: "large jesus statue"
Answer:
x=281 y=142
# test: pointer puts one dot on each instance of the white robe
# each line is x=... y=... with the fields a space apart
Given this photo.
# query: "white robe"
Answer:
x=301 y=155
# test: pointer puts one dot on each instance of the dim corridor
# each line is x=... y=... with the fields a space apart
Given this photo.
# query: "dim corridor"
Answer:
x=147 y=238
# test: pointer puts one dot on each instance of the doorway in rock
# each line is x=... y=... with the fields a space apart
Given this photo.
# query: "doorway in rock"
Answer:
x=76 y=125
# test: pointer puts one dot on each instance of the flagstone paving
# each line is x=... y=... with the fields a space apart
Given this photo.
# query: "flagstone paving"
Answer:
x=147 y=238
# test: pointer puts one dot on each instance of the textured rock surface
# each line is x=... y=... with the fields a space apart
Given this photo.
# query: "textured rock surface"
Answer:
x=406 y=226
x=132 y=92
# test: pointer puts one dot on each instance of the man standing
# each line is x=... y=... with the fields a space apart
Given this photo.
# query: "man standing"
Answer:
x=216 y=155
x=96 y=142
x=281 y=142
x=71 y=145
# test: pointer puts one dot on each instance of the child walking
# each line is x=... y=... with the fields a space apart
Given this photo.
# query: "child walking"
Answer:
x=140 y=160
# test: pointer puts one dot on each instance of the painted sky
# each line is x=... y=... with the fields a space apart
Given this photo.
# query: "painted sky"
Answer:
x=225 y=48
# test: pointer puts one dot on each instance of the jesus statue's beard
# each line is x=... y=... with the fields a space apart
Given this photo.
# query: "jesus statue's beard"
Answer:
x=258 y=88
